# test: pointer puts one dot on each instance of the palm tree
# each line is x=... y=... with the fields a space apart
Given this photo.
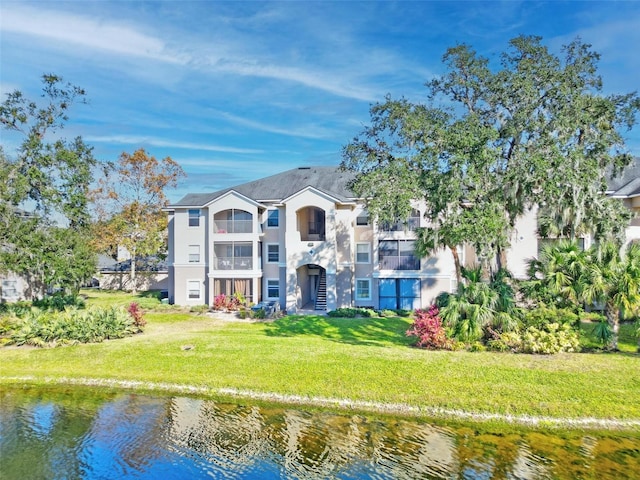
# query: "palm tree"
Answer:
x=556 y=276
x=612 y=280
x=478 y=304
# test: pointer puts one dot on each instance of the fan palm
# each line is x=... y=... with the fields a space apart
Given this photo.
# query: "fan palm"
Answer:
x=479 y=304
x=612 y=279
x=556 y=276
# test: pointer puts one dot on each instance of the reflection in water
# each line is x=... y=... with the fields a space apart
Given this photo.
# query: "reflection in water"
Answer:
x=78 y=433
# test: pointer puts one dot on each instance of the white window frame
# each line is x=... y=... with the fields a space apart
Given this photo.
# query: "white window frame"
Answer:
x=272 y=280
x=189 y=285
x=361 y=298
x=278 y=247
x=277 y=218
x=189 y=217
x=368 y=261
x=193 y=250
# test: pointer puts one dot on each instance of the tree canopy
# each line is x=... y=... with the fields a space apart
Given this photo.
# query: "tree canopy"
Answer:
x=44 y=186
x=494 y=141
x=129 y=201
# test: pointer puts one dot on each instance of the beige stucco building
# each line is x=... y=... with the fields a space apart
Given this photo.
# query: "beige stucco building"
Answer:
x=302 y=239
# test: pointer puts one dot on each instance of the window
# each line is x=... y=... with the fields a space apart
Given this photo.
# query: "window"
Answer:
x=362 y=219
x=9 y=289
x=273 y=253
x=194 y=218
x=410 y=224
x=273 y=288
x=396 y=293
x=363 y=289
x=398 y=255
x=363 y=253
x=193 y=289
x=194 y=253
x=273 y=218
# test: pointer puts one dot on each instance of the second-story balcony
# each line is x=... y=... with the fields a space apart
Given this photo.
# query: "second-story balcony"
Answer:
x=399 y=263
x=233 y=256
x=233 y=263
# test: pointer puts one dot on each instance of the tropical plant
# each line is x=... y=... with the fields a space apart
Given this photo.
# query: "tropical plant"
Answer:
x=612 y=280
x=427 y=326
x=556 y=276
x=479 y=305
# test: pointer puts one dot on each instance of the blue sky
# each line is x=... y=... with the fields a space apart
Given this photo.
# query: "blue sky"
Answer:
x=235 y=91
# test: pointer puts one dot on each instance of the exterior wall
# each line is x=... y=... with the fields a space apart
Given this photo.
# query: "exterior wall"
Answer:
x=144 y=280
x=309 y=252
x=524 y=244
x=14 y=288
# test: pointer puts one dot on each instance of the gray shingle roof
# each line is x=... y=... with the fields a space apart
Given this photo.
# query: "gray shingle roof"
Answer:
x=627 y=184
x=329 y=180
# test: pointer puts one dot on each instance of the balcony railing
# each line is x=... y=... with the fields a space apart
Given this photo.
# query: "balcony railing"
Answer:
x=233 y=263
x=399 y=263
x=233 y=226
x=410 y=225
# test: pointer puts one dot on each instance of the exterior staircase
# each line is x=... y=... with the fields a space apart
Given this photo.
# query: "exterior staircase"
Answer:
x=321 y=291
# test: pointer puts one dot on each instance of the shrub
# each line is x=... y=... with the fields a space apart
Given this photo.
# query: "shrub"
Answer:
x=350 y=312
x=227 y=302
x=199 y=309
x=427 y=326
x=41 y=328
x=542 y=316
x=59 y=301
x=553 y=338
x=506 y=342
x=136 y=314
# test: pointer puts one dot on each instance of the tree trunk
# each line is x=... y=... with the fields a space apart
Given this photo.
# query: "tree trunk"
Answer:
x=456 y=262
x=134 y=288
x=612 y=315
x=502 y=258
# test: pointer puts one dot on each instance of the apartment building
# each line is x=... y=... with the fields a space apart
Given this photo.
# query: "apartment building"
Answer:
x=303 y=239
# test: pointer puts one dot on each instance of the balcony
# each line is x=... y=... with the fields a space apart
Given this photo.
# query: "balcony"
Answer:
x=233 y=263
x=399 y=263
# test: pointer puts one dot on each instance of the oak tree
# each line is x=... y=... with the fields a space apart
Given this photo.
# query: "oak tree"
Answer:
x=44 y=187
x=495 y=141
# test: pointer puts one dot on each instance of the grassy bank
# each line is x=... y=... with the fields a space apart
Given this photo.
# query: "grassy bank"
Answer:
x=364 y=360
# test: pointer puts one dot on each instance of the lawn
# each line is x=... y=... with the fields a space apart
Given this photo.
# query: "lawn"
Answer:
x=364 y=360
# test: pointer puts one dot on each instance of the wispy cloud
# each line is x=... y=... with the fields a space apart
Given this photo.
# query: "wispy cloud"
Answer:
x=157 y=142
x=310 y=131
x=85 y=32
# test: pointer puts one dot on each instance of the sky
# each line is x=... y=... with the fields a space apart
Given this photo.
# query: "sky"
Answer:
x=235 y=91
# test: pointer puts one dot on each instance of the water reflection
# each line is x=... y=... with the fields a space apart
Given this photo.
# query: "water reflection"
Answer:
x=78 y=433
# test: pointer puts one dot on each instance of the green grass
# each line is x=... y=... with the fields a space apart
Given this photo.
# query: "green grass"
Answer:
x=368 y=359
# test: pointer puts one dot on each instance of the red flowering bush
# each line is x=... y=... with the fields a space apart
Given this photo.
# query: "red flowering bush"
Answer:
x=136 y=313
x=427 y=326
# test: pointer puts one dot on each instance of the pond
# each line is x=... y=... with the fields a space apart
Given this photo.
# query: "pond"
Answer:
x=71 y=433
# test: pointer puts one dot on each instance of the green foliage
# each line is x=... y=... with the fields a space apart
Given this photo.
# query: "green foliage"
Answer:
x=59 y=301
x=479 y=305
x=200 y=309
x=53 y=179
x=532 y=129
x=53 y=328
x=350 y=312
x=602 y=331
x=547 y=339
x=541 y=316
